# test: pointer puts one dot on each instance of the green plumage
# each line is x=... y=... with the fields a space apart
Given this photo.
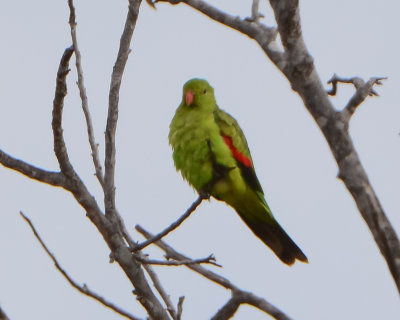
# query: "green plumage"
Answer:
x=211 y=151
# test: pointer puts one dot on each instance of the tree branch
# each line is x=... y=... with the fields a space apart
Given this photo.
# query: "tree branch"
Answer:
x=255 y=13
x=207 y=260
x=242 y=296
x=60 y=148
x=300 y=71
x=160 y=289
x=180 y=307
x=172 y=253
x=49 y=177
x=81 y=288
x=84 y=99
x=261 y=33
x=363 y=90
x=110 y=229
x=228 y=310
x=116 y=77
x=173 y=225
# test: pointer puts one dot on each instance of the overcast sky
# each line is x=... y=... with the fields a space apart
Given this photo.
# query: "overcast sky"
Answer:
x=347 y=278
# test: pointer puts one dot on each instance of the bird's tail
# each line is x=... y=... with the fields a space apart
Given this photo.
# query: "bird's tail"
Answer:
x=276 y=238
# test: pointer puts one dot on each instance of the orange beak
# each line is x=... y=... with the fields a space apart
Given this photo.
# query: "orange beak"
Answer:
x=189 y=98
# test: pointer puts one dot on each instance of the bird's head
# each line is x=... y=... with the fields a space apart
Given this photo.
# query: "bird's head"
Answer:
x=198 y=93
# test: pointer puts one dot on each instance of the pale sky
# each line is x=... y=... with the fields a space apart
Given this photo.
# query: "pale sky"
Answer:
x=347 y=278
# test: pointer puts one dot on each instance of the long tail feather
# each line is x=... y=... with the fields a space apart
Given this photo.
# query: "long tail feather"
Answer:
x=277 y=239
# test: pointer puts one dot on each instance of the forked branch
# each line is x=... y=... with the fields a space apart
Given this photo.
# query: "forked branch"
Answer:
x=363 y=90
x=241 y=296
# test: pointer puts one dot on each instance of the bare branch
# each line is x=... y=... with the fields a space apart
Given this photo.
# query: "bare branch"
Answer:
x=173 y=225
x=172 y=253
x=60 y=148
x=228 y=310
x=84 y=99
x=255 y=13
x=81 y=288
x=262 y=33
x=207 y=260
x=261 y=304
x=116 y=77
x=110 y=229
x=3 y=315
x=49 y=177
x=356 y=81
x=164 y=295
x=180 y=307
x=363 y=90
x=300 y=71
x=242 y=296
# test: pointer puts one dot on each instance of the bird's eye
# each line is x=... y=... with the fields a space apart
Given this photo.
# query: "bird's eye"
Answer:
x=204 y=91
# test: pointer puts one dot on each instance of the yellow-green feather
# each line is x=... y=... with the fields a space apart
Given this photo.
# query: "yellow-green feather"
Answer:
x=197 y=142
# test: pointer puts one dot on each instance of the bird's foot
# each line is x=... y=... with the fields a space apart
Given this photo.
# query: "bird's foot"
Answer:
x=204 y=194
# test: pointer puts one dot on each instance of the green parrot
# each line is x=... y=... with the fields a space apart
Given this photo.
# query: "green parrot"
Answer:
x=211 y=152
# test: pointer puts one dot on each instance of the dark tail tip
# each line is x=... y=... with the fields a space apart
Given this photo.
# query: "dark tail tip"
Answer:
x=277 y=239
x=291 y=253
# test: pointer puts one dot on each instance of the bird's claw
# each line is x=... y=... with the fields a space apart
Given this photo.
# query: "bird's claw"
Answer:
x=204 y=195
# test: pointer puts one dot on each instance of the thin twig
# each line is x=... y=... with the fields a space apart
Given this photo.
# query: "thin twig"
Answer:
x=49 y=177
x=207 y=260
x=360 y=95
x=173 y=225
x=356 y=81
x=116 y=77
x=84 y=99
x=164 y=295
x=245 y=297
x=173 y=254
x=255 y=13
x=180 y=308
x=363 y=90
x=81 y=288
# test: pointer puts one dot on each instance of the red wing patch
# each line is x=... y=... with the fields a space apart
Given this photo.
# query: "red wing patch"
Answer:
x=236 y=153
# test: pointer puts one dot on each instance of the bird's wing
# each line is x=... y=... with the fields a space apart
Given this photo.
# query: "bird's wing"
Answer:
x=236 y=141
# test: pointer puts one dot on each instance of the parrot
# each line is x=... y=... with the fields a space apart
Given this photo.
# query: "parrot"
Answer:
x=211 y=152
